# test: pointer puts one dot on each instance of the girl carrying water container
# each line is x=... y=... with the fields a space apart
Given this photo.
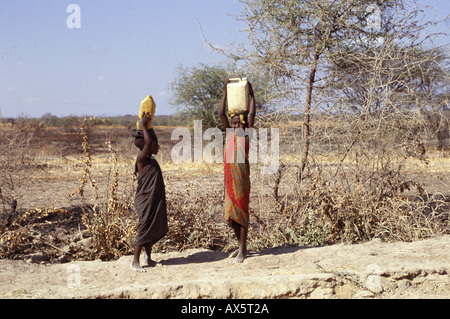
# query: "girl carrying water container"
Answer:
x=237 y=167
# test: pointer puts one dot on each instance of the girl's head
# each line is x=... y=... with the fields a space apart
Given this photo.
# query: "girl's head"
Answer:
x=154 y=148
x=140 y=143
x=238 y=121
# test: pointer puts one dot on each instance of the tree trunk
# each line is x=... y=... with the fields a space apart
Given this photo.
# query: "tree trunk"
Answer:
x=307 y=114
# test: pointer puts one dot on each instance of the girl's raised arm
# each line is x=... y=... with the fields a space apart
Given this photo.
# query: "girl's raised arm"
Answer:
x=223 y=116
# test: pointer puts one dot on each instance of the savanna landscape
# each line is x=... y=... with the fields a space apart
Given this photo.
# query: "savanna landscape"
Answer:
x=71 y=203
x=353 y=96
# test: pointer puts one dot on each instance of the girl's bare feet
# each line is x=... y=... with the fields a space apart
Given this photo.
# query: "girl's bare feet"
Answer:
x=238 y=256
x=137 y=267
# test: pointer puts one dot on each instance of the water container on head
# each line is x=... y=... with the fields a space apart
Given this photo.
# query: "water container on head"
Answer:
x=147 y=105
x=238 y=96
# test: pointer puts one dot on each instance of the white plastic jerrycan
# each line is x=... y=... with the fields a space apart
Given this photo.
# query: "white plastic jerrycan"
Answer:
x=238 y=98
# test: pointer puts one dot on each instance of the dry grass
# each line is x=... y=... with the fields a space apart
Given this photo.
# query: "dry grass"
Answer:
x=112 y=232
x=345 y=196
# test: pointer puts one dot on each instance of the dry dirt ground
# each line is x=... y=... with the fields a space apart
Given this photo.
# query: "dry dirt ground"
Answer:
x=370 y=270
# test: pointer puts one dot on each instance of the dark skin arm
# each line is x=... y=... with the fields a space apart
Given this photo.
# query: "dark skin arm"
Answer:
x=142 y=158
x=223 y=116
x=252 y=108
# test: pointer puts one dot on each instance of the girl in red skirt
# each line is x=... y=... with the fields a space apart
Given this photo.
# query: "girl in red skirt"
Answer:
x=237 y=172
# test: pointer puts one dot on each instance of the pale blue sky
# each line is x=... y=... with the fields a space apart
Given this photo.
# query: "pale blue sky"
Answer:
x=124 y=50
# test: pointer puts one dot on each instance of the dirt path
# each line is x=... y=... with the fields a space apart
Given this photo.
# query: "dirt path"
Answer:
x=370 y=270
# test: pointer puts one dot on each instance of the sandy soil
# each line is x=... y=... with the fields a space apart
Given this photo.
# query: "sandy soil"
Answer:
x=370 y=270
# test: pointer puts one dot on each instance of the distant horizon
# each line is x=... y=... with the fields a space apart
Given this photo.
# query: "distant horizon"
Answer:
x=78 y=116
x=103 y=57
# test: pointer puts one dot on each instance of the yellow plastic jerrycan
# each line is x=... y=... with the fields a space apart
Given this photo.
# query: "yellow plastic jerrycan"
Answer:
x=238 y=96
x=147 y=105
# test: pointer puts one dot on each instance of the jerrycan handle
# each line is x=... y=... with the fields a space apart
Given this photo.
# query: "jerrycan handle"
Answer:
x=237 y=79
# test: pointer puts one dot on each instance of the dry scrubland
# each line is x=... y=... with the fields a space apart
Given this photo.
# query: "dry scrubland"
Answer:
x=75 y=189
x=71 y=192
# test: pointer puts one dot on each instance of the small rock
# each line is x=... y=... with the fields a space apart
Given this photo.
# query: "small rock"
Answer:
x=63 y=259
x=37 y=257
x=404 y=285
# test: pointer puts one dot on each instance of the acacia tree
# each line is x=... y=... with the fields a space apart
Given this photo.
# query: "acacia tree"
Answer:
x=400 y=76
x=365 y=67
x=299 y=41
x=197 y=91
